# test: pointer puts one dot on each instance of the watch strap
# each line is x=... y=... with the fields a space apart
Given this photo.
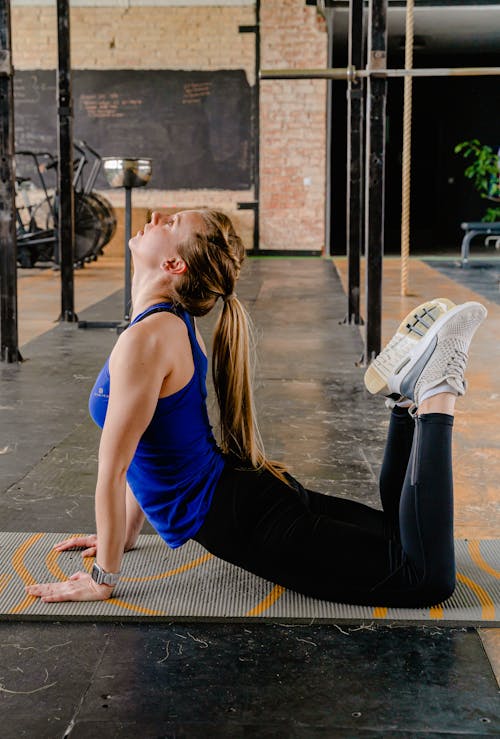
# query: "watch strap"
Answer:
x=104 y=578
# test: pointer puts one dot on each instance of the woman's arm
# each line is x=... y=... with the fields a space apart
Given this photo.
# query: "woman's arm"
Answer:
x=138 y=365
x=135 y=519
x=137 y=370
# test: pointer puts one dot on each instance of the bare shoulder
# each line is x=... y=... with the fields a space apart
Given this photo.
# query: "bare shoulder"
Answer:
x=157 y=337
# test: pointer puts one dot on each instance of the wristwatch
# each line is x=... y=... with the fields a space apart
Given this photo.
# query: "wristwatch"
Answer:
x=104 y=578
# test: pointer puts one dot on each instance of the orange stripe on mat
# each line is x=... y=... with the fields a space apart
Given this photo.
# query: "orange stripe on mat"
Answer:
x=148 y=578
x=54 y=554
x=88 y=563
x=22 y=571
x=169 y=573
x=4 y=581
x=268 y=601
x=53 y=567
x=436 y=612
x=487 y=605
x=477 y=558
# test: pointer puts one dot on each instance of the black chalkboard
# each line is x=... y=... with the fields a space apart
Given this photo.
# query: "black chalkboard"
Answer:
x=196 y=126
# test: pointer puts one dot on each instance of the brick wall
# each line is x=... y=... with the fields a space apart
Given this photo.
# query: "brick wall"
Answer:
x=207 y=38
x=137 y=38
x=292 y=128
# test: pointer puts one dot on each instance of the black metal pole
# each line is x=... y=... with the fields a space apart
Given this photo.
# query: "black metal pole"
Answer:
x=8 y=247
x=355 y=131
x=329 y=205
x=255 y=204
x=128 y=234
x=66 y=211
x=375 y=167
x=256 y=227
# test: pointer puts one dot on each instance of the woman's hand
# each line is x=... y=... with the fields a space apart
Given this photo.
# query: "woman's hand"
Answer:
x=80 y=586
x=88 y=543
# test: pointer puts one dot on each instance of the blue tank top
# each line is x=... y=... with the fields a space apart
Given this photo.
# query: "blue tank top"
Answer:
x=177 y=464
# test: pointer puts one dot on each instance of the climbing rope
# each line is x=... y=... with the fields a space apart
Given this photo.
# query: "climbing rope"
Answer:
x=406 y=164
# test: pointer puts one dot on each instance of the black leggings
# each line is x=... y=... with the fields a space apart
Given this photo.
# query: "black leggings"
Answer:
x=341 y=550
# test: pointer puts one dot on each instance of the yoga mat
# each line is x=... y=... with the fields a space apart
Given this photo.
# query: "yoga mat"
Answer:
x=188 y=584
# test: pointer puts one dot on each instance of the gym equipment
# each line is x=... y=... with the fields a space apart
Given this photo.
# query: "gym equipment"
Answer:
x=406 y=162
x=489 y=232
x=376 y=73
x=351 y=73
x=36 y=234
x=127 y=173
x=95 y=220
x=9 y=350
x=66 y=211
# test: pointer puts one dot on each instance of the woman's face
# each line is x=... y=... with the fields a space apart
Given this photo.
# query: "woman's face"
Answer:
x=157 y=241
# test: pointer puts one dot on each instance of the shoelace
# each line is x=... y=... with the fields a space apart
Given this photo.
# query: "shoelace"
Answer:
x=455 y=369
x=456 y=364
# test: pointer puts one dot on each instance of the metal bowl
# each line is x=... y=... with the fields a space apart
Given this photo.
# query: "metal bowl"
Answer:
x=121 y=172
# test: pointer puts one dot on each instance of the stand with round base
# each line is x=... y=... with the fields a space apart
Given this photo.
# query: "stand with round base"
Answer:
x=126 y=173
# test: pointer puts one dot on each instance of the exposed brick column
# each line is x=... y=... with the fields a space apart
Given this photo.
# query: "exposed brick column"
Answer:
x=293 y=128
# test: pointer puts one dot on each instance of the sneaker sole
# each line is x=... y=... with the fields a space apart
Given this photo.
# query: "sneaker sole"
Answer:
x=377 y=383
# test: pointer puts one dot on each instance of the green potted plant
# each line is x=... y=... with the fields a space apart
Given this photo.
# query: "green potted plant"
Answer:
x=484 y=171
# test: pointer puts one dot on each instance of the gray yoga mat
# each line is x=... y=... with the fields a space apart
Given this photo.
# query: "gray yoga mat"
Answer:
x=185 y=584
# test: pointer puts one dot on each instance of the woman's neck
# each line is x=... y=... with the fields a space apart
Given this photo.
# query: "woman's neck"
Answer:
x=145 y=296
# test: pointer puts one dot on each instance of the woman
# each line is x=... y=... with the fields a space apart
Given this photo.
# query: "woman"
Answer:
x=158 y=457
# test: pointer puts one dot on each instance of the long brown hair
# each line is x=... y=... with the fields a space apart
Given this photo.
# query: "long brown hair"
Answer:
x=214 y=258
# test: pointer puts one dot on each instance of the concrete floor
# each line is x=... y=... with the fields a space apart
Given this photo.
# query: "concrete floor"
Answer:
x=39 y=293
x=240 y=680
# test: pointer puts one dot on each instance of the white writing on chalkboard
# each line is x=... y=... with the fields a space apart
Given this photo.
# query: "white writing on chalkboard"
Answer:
x=107 y=105
x=195 y=125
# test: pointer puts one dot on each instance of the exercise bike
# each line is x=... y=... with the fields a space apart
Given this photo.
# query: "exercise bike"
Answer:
x=95 y=219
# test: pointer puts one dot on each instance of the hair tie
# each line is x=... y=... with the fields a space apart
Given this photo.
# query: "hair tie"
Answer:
x=227 y=298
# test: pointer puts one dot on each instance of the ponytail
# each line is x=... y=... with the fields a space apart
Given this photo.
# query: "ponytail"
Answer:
x=231 y=375
x=232 y=378
x=213 y=259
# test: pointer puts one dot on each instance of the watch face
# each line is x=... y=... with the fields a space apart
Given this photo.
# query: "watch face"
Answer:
x=104 y=578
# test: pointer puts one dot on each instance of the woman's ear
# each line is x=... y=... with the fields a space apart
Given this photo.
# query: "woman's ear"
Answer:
x=174 y=266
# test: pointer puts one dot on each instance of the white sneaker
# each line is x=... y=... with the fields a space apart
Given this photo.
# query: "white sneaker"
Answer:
x=411 y=331
x=448 y=361
x=438 y=356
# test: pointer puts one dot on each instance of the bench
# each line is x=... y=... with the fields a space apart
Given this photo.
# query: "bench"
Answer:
x=490 y=232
